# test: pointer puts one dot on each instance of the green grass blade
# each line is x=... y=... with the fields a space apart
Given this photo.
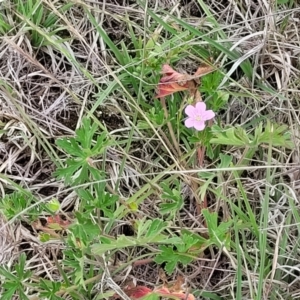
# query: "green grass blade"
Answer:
x=233 y=55
x=106 y=38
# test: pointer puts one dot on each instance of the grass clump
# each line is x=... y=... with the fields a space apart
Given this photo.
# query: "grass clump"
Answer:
x=117 y=181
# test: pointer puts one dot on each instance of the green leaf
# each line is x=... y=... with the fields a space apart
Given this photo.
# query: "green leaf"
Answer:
x=45 y=237
x=149 y=229
x=188 y=241
x=179 y=252
x=174 y=197
x=170 y=208
x=8 y=293
x=15 y=203
x=156 y=227
x=225 y=160
x=151 y=296
x=53 y=205
x=79 y=168
x=199 y=241
x=7 y=274
x=276 y=135
x=20 y=268
x=50 y=288
x=206 y=295
x=84 y=135
x=171 y=258
x=218 y=234
x=227 y=136
x=13 y=284
x=121 y=242
x=71 y=146
x=86 y=230
x=79 y=272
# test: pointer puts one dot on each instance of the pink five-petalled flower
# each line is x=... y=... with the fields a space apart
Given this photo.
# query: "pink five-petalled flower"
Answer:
x=197 y=115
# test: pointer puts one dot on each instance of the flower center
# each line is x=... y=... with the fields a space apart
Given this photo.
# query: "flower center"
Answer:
x=198 y=118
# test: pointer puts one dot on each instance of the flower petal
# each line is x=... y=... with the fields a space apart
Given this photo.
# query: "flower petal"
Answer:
x=199 y=125
x=190 y=110
x=209 y=114
x=201 y=107
x=189 y=122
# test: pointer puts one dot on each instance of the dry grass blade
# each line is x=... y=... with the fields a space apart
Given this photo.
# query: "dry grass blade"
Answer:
x=61 y=62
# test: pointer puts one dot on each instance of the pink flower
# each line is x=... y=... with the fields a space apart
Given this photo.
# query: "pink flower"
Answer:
x=197 y=115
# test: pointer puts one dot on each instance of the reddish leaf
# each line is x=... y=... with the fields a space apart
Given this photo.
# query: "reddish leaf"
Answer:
x=175 y=290
x=140 y=291
x=57 y=220
x=203 y=70
x=38 y=225
x=137 y=292
x=171 y=82
x=164 y=292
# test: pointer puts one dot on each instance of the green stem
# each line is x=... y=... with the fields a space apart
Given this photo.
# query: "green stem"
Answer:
x=175 y=143
x=263 y=227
